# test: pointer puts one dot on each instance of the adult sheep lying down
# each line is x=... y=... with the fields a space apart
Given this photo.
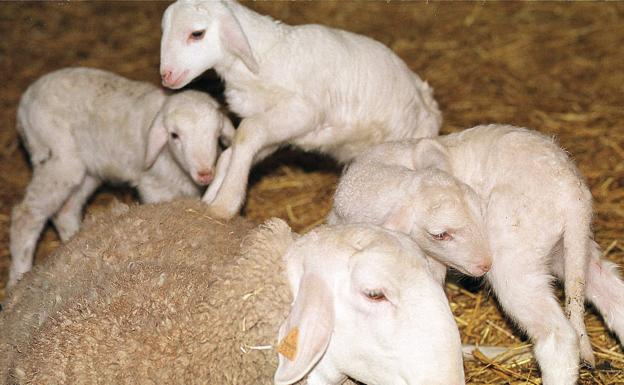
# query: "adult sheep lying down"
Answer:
x=165 y=294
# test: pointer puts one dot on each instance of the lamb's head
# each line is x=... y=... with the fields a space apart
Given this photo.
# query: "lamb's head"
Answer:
x=190 y=123
x=197 y=35
x=367 y=307
x=443 y=215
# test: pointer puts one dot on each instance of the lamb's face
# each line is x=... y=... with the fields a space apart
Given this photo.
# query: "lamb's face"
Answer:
x=193 y=126
x=190 y=42
x=366 y=307
x=450 y=226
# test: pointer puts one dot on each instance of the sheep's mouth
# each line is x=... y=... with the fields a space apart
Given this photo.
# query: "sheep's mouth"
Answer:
x=204 y=178
x=473 y=270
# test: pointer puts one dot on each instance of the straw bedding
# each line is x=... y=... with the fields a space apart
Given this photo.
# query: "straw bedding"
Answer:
x=555 y=67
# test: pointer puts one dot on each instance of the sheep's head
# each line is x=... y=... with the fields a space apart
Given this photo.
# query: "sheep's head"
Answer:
x=197 y=35
x=443 y=215
x=190 y=123
x=367 y=307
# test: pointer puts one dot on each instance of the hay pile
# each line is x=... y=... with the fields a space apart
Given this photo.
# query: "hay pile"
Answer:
x=556 y=67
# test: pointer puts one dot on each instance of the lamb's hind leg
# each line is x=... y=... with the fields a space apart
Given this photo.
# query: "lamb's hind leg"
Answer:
x=67 y=220
x=51 y=185
x=525 y=293
x=604 y=288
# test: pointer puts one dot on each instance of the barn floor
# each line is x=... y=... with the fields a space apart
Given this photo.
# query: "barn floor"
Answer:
x=555 y=67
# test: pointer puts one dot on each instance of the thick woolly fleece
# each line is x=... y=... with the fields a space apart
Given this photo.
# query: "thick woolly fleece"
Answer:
x=154 y=294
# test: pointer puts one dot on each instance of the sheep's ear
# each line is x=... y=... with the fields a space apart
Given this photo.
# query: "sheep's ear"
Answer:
x=399 y=220
x=305 y=335
x=227 y=131
x=234 y=39
x=430 y=153
x=156 y=140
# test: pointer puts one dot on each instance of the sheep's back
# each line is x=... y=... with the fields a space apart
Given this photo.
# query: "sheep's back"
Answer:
x=98 y=268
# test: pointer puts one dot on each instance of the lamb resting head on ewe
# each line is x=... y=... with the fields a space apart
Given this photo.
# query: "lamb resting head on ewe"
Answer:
x=361 y=93
x=165 y=294
x=441 y=214
x=536 y=214
x=83 y=127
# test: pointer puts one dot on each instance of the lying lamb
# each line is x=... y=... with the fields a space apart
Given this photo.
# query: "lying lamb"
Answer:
x=84 y=126
x=318 y=88
x=535 y=213
x=134 y=299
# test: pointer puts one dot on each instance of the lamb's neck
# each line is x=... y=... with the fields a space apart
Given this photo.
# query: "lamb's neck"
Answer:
x=262 y=33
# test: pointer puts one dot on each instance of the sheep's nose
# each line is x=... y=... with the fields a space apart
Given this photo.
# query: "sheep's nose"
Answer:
x=166 y=76
x=204 y=177
x=480 y=268
x=485 y=267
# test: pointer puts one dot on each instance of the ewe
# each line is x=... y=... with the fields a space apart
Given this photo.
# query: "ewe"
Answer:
x=165 y=294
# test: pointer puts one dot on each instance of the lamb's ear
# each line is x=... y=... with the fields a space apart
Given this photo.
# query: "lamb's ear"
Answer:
x=430 y=153
x=233 y=38
x=304 y=336
x=399 y=219
x=156 y=140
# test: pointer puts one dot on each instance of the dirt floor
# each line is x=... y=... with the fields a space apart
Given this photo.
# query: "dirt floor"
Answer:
x=555 y=67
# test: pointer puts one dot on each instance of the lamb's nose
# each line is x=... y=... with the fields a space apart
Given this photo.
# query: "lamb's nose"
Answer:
x=166 y=76
x=204 y=177
x=485 y=267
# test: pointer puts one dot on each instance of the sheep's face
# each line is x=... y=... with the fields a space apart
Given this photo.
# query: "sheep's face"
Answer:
x=444 y=216
x=190 y=42
x=193 y=124
x=367 y=307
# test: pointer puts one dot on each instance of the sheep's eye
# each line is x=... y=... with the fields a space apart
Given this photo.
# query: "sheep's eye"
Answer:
x=442 y=236
x=174 y=136
x=375 y=295
x=197 y=35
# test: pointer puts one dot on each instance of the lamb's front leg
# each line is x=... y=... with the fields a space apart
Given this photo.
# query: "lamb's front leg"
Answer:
x=254 y=136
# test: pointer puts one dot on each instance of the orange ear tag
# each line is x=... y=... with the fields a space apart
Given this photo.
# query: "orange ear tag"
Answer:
x=288 y=346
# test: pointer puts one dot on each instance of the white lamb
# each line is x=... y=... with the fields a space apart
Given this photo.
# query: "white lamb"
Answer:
x=536 y=213
x=85 y=126
x=315 y=87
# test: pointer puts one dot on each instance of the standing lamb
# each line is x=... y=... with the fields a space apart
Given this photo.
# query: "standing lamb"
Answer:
x=315 y=87
x=165 y=294
x=536 y=213
x=84 y=126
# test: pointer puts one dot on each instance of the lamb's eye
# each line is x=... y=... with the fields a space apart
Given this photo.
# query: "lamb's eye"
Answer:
x=197 y=35
x=375 y=295
x=444 y=236
x=175 y=136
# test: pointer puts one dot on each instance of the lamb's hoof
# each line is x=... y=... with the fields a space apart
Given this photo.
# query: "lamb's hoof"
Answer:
x=587 y=354
x=14 y=277
x=220 y=212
